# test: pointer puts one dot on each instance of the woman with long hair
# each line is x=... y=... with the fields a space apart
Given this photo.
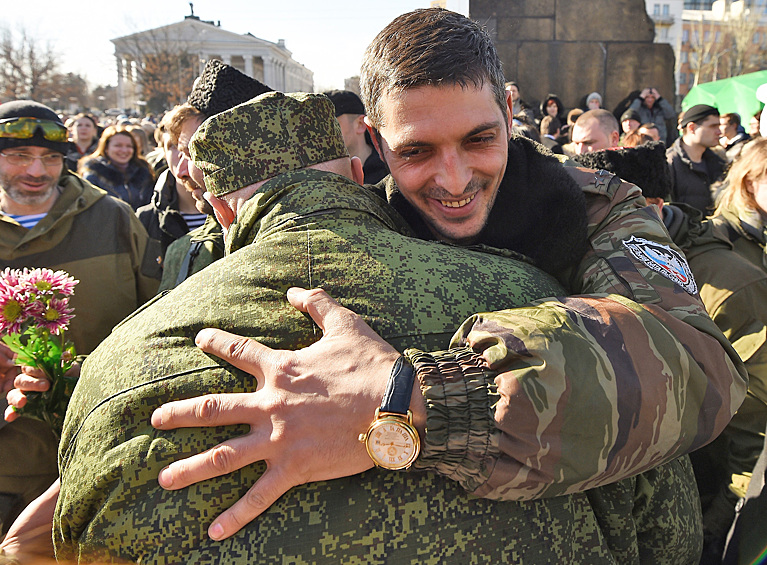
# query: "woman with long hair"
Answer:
x=118 y=167
x=743 y=202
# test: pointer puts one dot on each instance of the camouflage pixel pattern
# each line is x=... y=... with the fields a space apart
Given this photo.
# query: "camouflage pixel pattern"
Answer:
x=264 y=137
x=310 y=229
x=629 y=349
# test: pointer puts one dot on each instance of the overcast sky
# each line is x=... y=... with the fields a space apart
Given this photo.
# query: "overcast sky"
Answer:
x=328 y=36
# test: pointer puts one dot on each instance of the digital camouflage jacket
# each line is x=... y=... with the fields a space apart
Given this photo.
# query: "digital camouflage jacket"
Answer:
x=310 y=229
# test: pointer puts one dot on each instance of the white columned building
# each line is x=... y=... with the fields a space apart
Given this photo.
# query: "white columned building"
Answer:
x=271 y=63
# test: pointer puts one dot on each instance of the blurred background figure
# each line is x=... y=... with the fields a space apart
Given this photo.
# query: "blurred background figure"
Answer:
x=650 y=130
x=84 y=135
x=733 y=136
x=630 y=122
x=594 y=101
x=518 y=105
x=350 y=114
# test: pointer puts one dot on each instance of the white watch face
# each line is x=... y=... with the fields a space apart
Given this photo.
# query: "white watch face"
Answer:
x=392 y=444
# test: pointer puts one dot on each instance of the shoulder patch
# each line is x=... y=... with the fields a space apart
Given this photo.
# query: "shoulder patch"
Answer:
x=664 y=260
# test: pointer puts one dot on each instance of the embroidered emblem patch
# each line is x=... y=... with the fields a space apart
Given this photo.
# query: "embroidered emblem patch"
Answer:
x=664 y=260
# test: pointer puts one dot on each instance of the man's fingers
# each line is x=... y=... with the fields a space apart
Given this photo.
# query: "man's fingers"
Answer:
x=204 y=411
x=326 y=312
x=16 y=398
x=10 y=414
x=26 y=382
x=260 y=497
x=225 y=458
x=242 y=352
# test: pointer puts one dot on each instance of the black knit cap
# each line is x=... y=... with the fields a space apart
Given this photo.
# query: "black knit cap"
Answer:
x=221 y=87
x=346 y=102
x=631 y=115
x=30 y=109
x=697 y=113
x=644 y=165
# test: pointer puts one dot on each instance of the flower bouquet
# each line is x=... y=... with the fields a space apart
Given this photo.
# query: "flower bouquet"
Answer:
x=34 y=314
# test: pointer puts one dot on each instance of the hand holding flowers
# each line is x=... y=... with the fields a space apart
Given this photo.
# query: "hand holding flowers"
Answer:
x=34 y=314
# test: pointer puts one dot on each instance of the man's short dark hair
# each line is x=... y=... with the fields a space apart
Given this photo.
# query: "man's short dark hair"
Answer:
x=550 y=125
x=731 y=118
x=429 y=47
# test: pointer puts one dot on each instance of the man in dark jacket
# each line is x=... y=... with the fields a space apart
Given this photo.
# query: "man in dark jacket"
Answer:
x=694 y=166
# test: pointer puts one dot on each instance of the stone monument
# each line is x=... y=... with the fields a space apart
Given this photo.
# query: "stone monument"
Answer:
x=574 y=47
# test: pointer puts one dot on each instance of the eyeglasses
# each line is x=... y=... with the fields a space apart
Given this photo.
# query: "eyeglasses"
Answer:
x=25 y=128
x=25 y=160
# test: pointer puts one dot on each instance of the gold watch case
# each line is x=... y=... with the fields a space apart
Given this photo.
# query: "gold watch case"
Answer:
x=392 y=440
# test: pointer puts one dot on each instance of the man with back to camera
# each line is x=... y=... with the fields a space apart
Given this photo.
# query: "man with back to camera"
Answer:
x=449 y=186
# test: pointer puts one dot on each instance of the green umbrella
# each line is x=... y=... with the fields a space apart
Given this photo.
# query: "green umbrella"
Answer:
x=736 y=94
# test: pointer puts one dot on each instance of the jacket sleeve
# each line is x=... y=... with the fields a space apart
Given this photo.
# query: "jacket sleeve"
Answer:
x=574 y=392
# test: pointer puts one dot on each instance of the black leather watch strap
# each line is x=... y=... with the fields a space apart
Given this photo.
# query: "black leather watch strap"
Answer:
x=399 y=388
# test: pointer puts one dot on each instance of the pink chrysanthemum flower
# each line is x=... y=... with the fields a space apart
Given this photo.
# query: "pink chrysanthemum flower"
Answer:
x=13 y=281
x=54 y=317
x=46 y=281
x=14 y=311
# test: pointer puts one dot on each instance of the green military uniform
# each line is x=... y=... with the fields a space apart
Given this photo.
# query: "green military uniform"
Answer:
x=317 y=229
x=191 y=253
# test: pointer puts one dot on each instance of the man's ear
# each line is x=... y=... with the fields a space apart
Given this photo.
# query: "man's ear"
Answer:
x=509 y=113
x=224 y=214
x=615 y=138
x=359 y=124
x=358 y=175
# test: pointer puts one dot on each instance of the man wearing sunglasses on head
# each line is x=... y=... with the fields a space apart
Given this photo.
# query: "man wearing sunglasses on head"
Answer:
x=52 y=218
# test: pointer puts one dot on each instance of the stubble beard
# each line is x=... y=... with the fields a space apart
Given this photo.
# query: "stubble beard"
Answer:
x=23 y=197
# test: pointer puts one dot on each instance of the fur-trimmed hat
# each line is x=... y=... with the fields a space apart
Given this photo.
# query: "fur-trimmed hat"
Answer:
x=265 y=137
x=221 y=87
x=644 y=165
x=30 y=109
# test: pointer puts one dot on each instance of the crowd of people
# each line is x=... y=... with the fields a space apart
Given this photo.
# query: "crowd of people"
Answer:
x=609 y=405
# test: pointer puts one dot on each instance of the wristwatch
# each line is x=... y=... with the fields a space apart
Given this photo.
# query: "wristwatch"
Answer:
x=392 y=440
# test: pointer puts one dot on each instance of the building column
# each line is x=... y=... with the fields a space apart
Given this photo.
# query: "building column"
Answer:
x=120 y=83
x=248 y=65
x=269 y=73
x=227 y=59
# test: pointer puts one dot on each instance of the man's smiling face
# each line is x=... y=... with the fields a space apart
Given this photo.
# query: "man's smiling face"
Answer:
x=446 y=147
